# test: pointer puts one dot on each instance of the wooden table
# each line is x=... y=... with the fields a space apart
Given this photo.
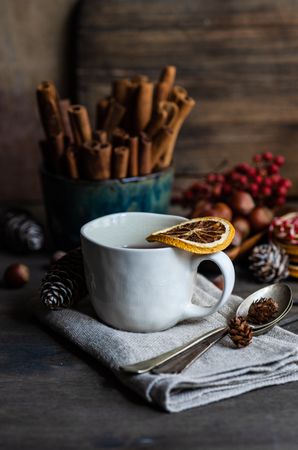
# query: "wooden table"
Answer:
x=54 y=396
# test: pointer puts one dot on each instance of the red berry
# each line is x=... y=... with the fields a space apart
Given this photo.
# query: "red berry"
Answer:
x=257 y=158
x=243 y=167
x=226 y=188
x=267 y=156
x=243 y=179
x=273 y=168
x=279 y=160
x=254 y=188
x=276 y=178
x=280 y=201
x=258 y=179
x=220 y=178
x=266 y=191
x=217 y=190
x=211 y=177
x=235 y=176
x=268 y=182
x=287 y=183
x=251 y=171
x=282 y=190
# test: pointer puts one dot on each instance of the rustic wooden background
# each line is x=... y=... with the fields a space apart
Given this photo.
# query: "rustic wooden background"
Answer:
x=238 y=59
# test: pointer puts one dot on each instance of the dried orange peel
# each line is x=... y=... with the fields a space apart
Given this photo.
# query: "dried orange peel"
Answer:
x=201 y=235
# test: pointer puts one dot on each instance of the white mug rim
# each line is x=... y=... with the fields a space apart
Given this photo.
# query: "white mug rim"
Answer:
x=84 y=234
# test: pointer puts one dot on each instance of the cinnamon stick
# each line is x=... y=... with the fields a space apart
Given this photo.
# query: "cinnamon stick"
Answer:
x=71 y=162
x=185 y=106
x=178 y=93
x=133 y=163
x=128 y=120
x=57 y=146
x=121 y=156
x=114 y=116
x=47 y=99
x=119 y=137
x=143 y=106
x=161 y=92
x=80 y=124
x=101 y=112
x=95 y=161
x=120 y=90
x=64 y=105
x=145 y=154
x=140 y=79
x=101 y=136
x=157 y=122
x=172 y=110
x=168 y=75
x=161 y=143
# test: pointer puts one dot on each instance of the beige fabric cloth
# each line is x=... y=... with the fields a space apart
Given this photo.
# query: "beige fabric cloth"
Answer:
x=221 y=373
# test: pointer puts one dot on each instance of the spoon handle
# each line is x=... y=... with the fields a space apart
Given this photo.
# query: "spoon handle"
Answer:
x=182 y=362
x=152 y=363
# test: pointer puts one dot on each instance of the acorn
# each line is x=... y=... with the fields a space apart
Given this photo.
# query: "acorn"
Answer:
x=16 y=275
x=260 y=218
x=242 y=202
x=242 y=225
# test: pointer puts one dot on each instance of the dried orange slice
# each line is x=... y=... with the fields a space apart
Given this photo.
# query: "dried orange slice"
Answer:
x=201 y=235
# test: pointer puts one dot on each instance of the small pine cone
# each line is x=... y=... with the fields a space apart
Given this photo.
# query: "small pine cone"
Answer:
x=20 y=232
x=262 y=311
x=269 y=263
x=64 y=283
x=240 y=332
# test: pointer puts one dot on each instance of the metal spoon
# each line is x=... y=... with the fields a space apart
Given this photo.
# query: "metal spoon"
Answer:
x=280 y=292
x=189 y=352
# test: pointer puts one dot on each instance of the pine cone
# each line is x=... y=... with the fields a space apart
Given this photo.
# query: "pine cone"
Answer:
x=269 y=263
x=64 y=283
x=240 y=332
x=20 y=232
x=262 y=311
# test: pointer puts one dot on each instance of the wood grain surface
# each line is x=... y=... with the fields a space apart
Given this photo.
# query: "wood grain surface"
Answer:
x=55 y=396
x=239 y=60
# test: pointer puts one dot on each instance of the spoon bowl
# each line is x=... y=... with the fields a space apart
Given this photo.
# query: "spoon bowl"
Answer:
x=279 y=292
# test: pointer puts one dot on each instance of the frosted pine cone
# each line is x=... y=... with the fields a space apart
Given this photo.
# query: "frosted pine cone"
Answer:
x=20 y=232
x=269 y=263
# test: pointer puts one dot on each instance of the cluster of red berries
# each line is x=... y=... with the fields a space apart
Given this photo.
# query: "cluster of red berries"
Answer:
x=262 y=180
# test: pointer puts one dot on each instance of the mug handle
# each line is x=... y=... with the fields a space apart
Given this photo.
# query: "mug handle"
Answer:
x=227 y=269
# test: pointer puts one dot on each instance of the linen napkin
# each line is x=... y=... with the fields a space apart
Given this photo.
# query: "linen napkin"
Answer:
x=220 y=373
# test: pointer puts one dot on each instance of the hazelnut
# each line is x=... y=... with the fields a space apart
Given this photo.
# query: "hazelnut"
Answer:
x=57 y=255
x=219 y=209
x=242 y=202
x=16 y=275
x=222 y=210
x=242 y=224
x=238 y=238
x=260 y=218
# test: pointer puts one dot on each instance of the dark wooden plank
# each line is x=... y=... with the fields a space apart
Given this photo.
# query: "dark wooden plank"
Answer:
x=237 y=59
x=54 y=396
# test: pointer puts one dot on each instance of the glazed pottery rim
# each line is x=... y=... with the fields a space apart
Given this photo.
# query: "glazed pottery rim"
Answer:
x=85 y=236
x=126 y=180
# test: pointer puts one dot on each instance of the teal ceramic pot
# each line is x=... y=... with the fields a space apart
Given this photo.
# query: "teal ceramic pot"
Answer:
x=70 y=203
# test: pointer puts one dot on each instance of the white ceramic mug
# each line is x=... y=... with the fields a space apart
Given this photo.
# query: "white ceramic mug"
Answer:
x=135 y=285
